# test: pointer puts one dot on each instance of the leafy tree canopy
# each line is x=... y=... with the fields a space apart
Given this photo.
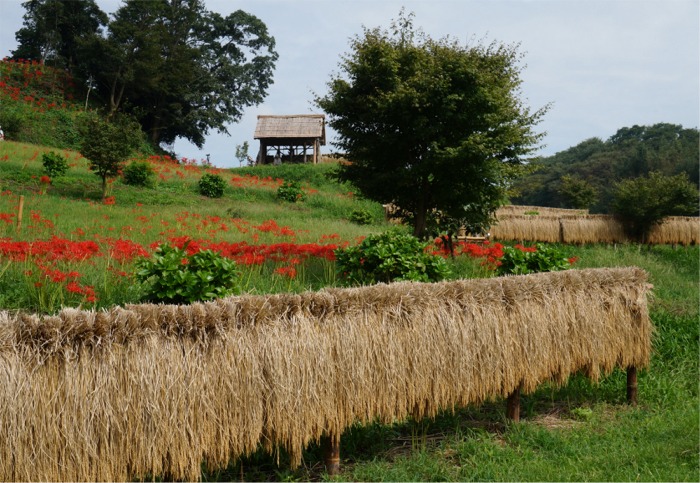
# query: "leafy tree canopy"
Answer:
x=107 y=144
x=176 y=67
x=430 y=124
x=595 y=165
x=54 y=29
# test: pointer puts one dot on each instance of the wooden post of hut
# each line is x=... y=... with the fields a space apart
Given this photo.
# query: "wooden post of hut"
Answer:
x=284 y=133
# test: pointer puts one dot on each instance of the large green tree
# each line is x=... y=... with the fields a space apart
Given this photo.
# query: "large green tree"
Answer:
x=430 y=125
x=54 y=30
x=180 y=69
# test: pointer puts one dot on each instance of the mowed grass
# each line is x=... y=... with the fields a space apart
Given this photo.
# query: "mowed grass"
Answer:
x=581 y=431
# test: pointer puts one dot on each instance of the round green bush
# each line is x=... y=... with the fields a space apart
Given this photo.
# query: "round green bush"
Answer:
x=291 y=191
x=361 y=217
x=212 y=185
x=387 y=257
x=174 y=276
x=139 y=173
x=55 y=165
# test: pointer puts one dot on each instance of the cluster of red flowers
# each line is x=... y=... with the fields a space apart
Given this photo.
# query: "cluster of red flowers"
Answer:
x=53 y=249
x=247 y=181
x=45 y=88
x=490 y=252
x=271 y=226
x=246 y=254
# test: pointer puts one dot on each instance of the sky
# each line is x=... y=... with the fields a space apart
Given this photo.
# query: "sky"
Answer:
x=600 y=64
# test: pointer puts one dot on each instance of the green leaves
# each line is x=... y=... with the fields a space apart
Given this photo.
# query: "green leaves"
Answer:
x=139 y=173
x=430 y=125
x=181 y=69
x=291 y=191
x=643 y=202
x=54 y=164
x=107 y=144
x=541 y=258
x=173 y=276
x=388 y=257
x=212 y=185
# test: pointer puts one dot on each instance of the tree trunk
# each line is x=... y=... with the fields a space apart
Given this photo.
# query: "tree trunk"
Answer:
x=420 y=223
x=421 y=215
x=104 y=187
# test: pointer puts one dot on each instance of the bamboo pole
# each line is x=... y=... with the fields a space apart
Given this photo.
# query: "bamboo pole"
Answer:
x=330 y=446
x=20 y=209
x=513 y=406
x=632 y=386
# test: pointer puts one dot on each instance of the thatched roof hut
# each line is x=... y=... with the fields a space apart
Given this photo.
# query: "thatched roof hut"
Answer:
x=288 y=138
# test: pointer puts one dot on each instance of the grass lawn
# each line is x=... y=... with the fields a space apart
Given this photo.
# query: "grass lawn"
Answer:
x=581 y=431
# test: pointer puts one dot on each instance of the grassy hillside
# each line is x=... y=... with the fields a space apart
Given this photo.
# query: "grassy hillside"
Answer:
x=72 y=248
x=80 y=232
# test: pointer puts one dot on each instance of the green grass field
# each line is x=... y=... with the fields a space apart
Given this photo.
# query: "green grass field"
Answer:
x=580 y=431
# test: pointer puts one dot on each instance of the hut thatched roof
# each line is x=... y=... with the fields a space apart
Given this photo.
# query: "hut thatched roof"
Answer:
x=309 y=126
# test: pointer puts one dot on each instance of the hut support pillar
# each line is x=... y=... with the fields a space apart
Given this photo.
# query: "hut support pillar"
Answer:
x=632 y=386
x=330 y=446
x=513 y=405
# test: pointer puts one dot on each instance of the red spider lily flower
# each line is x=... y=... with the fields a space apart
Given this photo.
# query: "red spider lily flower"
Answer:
x=573 y=260
x=45 y=180
x=289 y=272
x=110 y=200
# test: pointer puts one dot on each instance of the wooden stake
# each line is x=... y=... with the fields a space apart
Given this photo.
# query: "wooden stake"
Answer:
x=632 y=386
x=330 y=446
x=20 y=209
x=513 y=406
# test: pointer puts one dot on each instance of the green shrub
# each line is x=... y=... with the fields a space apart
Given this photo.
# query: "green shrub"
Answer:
x=139 y=173
x=361 y=217
x=388 y=257
x=640 y=203
x=212 y=185
x=173 y=276
x=13 y=119
x=291 y=191
x=519 y=260
x=55 y=165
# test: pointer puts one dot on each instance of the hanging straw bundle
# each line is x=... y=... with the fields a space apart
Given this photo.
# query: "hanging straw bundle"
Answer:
x=157 y=389
x=683 y=230
x=541 y=228
x=592 y=229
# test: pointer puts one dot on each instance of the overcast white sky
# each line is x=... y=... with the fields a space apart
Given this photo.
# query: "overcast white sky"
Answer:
x=603 y=64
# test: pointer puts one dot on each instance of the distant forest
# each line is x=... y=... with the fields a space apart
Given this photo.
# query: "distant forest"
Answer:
x=584 y=176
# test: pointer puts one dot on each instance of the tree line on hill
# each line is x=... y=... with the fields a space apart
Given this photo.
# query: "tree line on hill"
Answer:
x=587 y=175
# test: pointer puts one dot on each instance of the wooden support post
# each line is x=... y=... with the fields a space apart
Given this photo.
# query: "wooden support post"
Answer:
x=330 y=446
x=632 y=385
x=20 y=209
x=513 y=405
